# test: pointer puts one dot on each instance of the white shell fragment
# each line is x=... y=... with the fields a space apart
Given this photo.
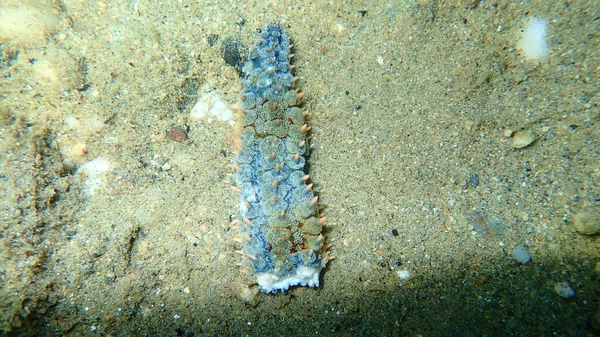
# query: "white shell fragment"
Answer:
x=523 y=139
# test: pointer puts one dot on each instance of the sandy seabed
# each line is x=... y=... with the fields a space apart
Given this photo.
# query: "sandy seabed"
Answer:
x=112 y=224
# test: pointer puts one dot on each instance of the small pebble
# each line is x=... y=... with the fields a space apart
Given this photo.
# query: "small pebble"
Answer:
x=521 y=254
x=166 y=167
x=404 y=274
x=249 y=294
x=474 y=180
x=233 y=53
x=522 y=139
x=177 y=134
x=564 y=290
x=587 y=222
x=212 y=39
x=508 y=133
x=394 y=232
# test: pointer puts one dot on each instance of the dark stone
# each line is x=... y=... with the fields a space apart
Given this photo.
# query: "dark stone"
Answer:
x=233 y=53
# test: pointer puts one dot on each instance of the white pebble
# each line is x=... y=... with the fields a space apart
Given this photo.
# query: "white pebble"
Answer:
x=523 y=139
x=212 y=106
x=404 y=274
x=250 y=294
x=533 y=43
x=564 y=290
x=521 y=254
